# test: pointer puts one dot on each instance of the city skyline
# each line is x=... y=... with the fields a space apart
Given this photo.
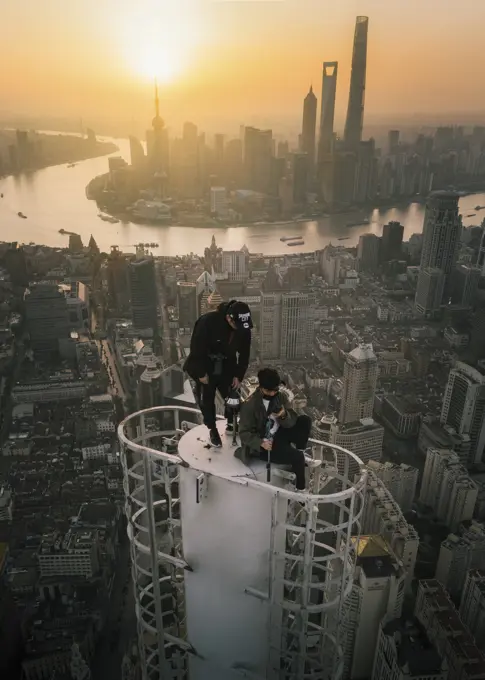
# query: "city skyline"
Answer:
x=223 y=44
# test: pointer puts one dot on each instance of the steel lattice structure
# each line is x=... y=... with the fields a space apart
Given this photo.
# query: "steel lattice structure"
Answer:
x=190 y=510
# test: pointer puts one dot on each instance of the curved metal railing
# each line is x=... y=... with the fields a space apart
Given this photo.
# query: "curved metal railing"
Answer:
x=314 y=571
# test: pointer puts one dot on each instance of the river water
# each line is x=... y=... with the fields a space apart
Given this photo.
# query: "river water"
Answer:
x=55 y=198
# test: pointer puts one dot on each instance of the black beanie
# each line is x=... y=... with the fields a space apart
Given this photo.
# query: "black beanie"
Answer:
x=269 y=379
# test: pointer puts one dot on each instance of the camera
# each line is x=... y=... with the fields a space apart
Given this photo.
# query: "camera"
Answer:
x=276 y=404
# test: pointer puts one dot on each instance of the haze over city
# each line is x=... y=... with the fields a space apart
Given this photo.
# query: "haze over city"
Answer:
x=223 y=63
x=242 y=340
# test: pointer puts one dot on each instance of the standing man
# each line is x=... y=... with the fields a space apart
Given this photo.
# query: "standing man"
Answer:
x=219 y=357
x=269 y=428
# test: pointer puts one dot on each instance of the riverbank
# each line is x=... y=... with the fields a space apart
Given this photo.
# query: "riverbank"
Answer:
x=23 y=152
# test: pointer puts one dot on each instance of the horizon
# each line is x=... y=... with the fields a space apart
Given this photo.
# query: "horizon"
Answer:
x=224 y=63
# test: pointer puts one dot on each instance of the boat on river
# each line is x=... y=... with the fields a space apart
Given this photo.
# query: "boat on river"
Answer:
x=21 y=214
x=108 y=218
x=290 y=238
x=296 y=243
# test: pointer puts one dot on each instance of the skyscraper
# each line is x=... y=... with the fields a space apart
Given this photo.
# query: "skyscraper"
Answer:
x=258 y=151
x=327 y=111
x=137 y=154
x=464 y=406
x=46 y=318
x=144 y=294
x=392 y=234
x=360 y=378
x=286 y=325
x=187 y=303
x=308 y=127
x=368 y=252
x=355 y=111
x=118 y=283
x=441 y=237
x=377 y=591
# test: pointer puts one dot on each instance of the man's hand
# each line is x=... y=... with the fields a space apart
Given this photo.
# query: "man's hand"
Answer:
x=204 y=380
x=236 y=383
x=266 y=445
x=280 y=414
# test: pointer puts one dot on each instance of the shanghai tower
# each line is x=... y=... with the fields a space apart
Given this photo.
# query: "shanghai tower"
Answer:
x=355 y=111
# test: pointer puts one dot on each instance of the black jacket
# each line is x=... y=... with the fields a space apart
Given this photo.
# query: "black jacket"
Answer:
x=212 y=335
x=252 y=422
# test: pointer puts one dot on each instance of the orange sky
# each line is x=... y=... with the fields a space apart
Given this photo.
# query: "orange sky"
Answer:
x=233 y=59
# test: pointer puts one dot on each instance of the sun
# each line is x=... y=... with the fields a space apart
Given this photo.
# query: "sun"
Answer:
x=159 y=38
x=157 y=62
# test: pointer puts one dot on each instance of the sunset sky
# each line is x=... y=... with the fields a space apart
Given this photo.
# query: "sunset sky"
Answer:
x=227 y=60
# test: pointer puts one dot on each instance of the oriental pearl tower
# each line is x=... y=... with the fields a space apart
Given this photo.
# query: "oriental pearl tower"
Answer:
x=160 y=147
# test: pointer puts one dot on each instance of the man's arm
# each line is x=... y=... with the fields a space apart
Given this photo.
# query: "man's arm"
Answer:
x=248 y=430
x=289 y=417
x=199 y=362
x=243 y=358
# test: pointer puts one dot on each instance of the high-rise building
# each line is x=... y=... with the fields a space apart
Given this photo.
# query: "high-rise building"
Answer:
x=368 y=252
x=365 y=182
x=464 y=406
x=441 y=237
x=218 y=197
x=137 y=154
x=144 y=300
x=301 y=174
x=436 y=612
x=464 y=286
x=283 y=149
x=15 y=263
x=481 y=251
x=460 y=552
x=297 y=325
x=235 y=263
x=233 y=161
x=364 y=437
x=355 y=112
x=393 y=137
x=472 y=605
x=377 y=591
x=258 y=151
x=382 y=515
x=400 y=480
x=360 y=379
x=447 y=488
x=337 y=177
x=327 y=109
x=46 y=318
x=404 y=652
x=117 y=278
x=187 y=303
x=287 y=325
x=391 y=246
x=309 y=128
x=219 y=151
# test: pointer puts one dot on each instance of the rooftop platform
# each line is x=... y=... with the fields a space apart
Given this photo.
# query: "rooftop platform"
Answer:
x=195 y=450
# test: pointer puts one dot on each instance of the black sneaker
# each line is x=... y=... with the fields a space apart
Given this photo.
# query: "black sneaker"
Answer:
x=230 y=428
x=215 y=438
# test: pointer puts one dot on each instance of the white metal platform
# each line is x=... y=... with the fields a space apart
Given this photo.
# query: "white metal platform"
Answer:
x=233 y=576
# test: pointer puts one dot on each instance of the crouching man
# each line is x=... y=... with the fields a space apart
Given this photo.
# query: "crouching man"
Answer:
x=269 y=425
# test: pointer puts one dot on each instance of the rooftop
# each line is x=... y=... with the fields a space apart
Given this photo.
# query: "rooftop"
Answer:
x=414 y=650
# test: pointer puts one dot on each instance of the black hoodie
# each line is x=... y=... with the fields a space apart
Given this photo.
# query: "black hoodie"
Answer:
x=212 y=335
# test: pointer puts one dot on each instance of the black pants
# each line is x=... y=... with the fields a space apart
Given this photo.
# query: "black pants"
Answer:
x=282 y=451
x=206 y=397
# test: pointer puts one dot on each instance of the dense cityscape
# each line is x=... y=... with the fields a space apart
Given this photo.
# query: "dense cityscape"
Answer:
x=109 y=569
